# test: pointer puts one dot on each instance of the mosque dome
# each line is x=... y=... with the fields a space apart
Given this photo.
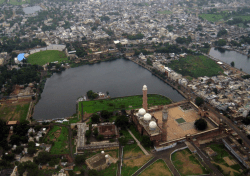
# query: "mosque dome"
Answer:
x=142 y=112
x=147 y=117
x=152 y=125
x=144 y=87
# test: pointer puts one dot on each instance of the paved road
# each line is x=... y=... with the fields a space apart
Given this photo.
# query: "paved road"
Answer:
x=229 y=123
x=203 y=158
x=165 y=155
x=120 y=160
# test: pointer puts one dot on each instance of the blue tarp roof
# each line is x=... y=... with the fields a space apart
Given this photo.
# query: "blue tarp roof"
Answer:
x=20 y=57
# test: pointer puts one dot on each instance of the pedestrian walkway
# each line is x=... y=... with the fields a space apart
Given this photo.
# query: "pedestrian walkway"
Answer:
x=138 y=143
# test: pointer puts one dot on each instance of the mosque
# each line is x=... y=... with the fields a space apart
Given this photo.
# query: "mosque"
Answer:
x=168 y=124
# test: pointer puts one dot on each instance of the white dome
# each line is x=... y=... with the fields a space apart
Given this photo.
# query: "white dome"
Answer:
x=144 y=87
x=106 y=156
x=142 y=112
x=102 y=152
x=152 y=125
x=147 y=117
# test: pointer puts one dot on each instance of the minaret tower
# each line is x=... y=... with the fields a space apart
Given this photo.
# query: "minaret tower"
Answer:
x=145 y=98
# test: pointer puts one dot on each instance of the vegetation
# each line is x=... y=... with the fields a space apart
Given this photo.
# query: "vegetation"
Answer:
x=164 y=12
x=220 y=42
x=200 y=124
x=196 y=66
x=199 y=101
x=58 y=136
x=92 y=95
x=232 y=64
x=27 y=74
x=14 y=112
x=187 y=164
x=159 y=166
x=183 y=40
x=219 y=161
x=222 y=32
x=113 y=104
x=48 y=56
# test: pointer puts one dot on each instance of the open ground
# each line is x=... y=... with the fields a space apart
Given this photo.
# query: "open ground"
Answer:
x=16 y=111
x=224 y=161
x=134 y=158
x=196 y=66
x=159 y=168
x=187 y=164
x=48 y=56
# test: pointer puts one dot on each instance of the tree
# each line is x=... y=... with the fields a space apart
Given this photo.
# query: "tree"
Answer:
x=105 y=114
x=146 y=141
x=199 y=101
x=95 y=118
x=88 y=134
x=122 y=121
x=43 y=158
x=232 y=64
x=200 y=124
x=93 y=173
x=31 y=150
x=80 y=159
x=123 y=141
x=100 y=137
x=92 y=95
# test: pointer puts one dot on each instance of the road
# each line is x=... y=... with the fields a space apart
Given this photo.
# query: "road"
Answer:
x=230 y=124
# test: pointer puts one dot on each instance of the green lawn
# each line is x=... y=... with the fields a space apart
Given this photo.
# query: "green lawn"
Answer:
x=196 y=66
x=2 y=1
x=15 y=2
x=114 y=104
x=212 y=17
x=14 y=112
x=180 y=120
x=221 y=153
x=60 y=145
x=48 y=56
x=164 y=12
x=111 y=170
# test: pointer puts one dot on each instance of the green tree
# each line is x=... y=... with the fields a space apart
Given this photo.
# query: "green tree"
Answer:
x=95 y=118
x=146 y=141
x=79 y=159
x=105 y=114
x=232 y=64
x=123 y=141
x=199 y=101
x=122 y=121
x=200 y=124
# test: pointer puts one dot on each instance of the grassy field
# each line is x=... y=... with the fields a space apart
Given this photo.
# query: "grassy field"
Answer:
x=2 y=1
x=164 y=12
x=15 y=2
x=212 y=17
x=159 y=166
x=114 y=104
x=196 y=66
x=221 y=164
x=59 y=135
x=44 y=57
x=14 y=111
x=186 y=163
x=134 y=158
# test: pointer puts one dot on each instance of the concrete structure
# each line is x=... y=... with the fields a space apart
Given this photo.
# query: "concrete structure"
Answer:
x=145 y=98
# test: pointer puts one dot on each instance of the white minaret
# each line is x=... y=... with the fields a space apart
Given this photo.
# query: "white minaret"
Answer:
x=145 y=98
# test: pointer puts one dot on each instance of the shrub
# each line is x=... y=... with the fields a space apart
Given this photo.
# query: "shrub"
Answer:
x=200 y=124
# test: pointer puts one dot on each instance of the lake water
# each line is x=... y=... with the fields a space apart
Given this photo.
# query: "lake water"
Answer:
x=33 y=9
x=227 y=56
x=120 y=77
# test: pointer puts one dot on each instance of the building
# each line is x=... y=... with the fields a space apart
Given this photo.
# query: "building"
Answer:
x=166 y=125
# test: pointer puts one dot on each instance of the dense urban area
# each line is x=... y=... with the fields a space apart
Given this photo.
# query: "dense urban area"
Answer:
x=207 y=133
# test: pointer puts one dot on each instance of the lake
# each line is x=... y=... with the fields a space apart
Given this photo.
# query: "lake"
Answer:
x=33 y=9
x=120 y=77
x=240 y=61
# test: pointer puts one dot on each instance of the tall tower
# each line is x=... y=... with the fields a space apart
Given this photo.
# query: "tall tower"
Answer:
x=145 y=98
